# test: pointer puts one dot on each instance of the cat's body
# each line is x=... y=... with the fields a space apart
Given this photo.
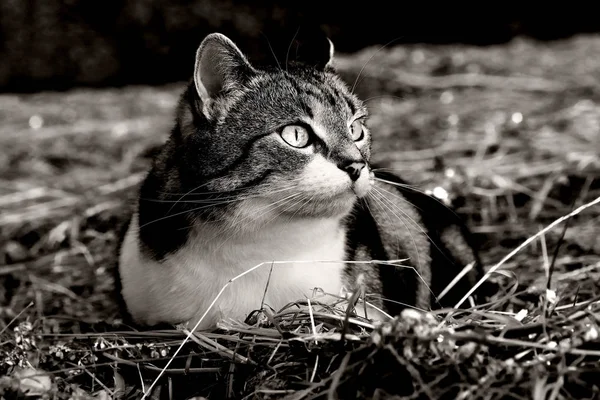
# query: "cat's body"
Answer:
x=187 y=283
x=269 y=166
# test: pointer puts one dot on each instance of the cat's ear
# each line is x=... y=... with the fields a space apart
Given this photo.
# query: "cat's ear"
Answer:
x=322 y=57
x=220 y=67
x=329 y=63
x=315 y=50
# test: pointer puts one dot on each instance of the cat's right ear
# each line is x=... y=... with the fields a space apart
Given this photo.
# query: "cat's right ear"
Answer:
x=220 y=67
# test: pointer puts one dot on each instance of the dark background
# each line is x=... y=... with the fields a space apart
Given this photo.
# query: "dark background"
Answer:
x=57 y=44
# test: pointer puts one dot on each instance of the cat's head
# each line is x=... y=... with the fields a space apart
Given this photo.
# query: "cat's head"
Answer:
x=292 y=139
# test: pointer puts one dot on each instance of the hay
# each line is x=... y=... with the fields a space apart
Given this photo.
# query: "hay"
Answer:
x=513 y=157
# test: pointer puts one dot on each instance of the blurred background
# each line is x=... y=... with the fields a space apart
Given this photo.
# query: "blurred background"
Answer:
x=57 y=44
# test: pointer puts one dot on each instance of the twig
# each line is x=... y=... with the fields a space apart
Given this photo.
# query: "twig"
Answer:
x=220 y=293
x=15 y=318
x=209 y=344
x=523 y=245
x=262 y=302
x=314 y=371
x=312 y=319
x=557 y=248
x=457 y=278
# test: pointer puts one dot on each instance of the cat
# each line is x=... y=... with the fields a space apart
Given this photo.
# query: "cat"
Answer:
x=272 y=164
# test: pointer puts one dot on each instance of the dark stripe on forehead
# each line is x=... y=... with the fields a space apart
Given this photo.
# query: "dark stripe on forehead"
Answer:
x=301 y=88
x=301 y=101
x=316 y=86
x=314 y=94
x=318 y=92
x=329 y=95
x=343 y=97
x=336 y=91
x=331 y=98
x=322 y=97
x=307 y=109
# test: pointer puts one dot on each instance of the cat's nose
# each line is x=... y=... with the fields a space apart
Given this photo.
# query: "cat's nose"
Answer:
x=353 y=169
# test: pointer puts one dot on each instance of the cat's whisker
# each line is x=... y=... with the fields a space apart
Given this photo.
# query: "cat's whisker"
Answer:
x=417 y=225
x=399 y=184
x=280 y=212
x=380 y=191
x=386 y=210
x=366 y=204
x=302 y=199
x=357 y=80
x=381 y=201
x=193 y=190
x=235 y=197
x=385 y=200
x=308 y=200
x=266 y=209
x=213 y=192
x=262 y=211
x=182 y=213
x=272 y=51
x=378 y=202
x=416 y=189
x=214 y=204
x=287 y=54
x=272 y=206
x=383 y=96
x=412 y=220
x=208 y=182
x=201 y=193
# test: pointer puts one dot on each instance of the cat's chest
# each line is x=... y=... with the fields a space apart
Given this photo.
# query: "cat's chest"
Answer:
x=294 y=262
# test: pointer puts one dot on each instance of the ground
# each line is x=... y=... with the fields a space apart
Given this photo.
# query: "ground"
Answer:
x=511 y=133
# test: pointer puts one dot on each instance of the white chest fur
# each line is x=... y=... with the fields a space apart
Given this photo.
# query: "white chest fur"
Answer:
x=182 y=287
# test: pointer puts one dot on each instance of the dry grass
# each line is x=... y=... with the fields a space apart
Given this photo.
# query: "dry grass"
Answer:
x=511 y=132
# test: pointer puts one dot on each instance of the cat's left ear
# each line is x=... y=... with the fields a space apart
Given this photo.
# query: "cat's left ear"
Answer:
x=315 y=50
x=329 y=63
x=220 y=68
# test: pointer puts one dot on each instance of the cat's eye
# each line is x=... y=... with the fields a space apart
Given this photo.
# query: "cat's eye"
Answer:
x=295 y=135
x=357 y=130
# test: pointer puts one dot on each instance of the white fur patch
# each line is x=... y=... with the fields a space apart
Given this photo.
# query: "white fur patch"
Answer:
x=182 y=287
x=324 y=179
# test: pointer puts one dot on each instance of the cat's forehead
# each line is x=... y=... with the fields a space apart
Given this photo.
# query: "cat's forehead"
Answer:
x=318 y=94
